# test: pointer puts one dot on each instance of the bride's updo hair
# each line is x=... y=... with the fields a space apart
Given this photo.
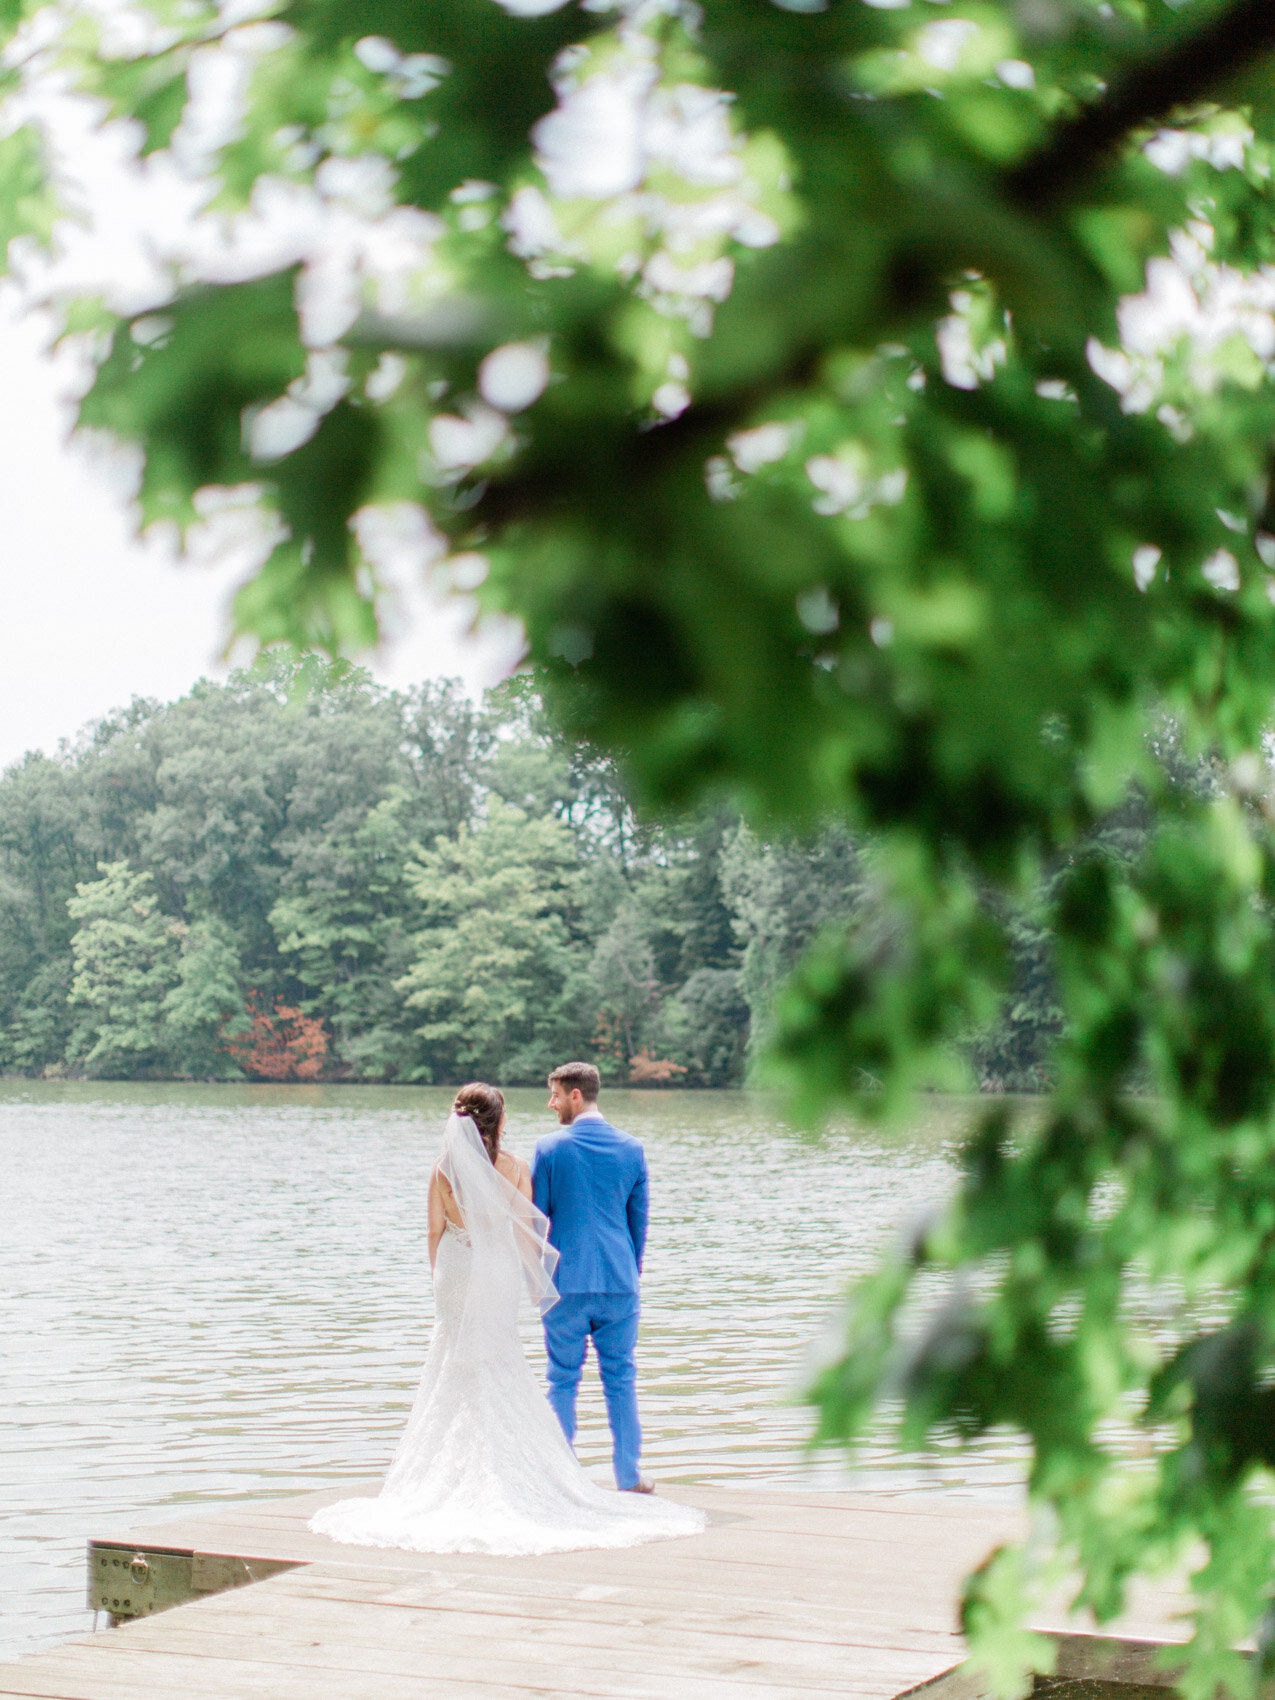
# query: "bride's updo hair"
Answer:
x=485 y=1106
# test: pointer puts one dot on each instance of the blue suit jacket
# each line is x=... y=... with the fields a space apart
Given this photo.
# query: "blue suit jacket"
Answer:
x=590 y=1180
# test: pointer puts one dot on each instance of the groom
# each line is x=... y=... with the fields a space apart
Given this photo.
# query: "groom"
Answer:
x=590 y=1181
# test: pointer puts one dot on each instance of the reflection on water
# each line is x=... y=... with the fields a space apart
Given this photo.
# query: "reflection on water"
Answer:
x=222 y=1292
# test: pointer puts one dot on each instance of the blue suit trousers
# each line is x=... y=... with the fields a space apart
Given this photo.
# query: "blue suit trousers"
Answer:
x=612 y=1320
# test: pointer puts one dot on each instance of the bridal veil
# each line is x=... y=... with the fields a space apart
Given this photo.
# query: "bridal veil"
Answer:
x=504 y=1227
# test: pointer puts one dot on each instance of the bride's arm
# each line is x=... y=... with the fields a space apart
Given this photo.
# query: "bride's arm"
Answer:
x=524 y=1177
x=516 y=1170
x=437 y=1215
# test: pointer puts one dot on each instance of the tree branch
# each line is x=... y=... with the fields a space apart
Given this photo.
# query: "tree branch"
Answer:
x=640 y=454
x=1190 y=70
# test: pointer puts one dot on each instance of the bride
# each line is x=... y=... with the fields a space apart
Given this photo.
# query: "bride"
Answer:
x=483 y=1465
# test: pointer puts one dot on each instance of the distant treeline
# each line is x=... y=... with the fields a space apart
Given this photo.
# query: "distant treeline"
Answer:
x=296 y=874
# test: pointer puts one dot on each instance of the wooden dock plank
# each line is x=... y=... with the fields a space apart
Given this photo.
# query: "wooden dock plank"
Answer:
x=884 y=1523
x=785 y=1594
x=653 y=1606
x=340 y=1674
x=247 y=1682
x=788 y=1623
x=743 y=1633
x=456 y=1651
x=755 y=1544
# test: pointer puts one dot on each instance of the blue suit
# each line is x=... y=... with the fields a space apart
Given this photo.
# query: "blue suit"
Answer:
x=591 y=1182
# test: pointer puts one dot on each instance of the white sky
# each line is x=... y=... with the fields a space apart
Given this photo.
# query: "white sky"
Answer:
x=91 y=617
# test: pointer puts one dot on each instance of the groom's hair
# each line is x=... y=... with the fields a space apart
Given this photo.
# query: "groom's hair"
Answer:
x=579 y=1077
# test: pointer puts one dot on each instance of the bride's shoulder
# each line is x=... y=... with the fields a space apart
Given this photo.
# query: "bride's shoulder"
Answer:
x=512 y=1165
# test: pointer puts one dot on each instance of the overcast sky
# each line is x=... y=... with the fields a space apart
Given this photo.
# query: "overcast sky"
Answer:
x=90 y=617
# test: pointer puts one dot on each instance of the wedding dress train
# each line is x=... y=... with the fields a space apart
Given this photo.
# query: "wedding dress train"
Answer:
x=483 y=1465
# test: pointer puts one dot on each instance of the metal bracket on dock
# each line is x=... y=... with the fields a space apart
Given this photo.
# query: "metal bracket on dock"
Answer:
x=131 y=1581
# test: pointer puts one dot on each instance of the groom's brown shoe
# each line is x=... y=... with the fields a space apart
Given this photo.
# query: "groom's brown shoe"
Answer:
x=643 y=1484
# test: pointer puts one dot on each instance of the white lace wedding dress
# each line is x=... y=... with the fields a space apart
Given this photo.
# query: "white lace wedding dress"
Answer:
x=483 y=1465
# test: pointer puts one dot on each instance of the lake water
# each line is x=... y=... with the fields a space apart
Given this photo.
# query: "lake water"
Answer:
x=222 y=1292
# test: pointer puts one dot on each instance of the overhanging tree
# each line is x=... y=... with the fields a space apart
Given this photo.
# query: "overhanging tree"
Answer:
x=798 y=431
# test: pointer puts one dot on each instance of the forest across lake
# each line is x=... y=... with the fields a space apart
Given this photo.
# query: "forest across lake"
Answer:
x=296 y=874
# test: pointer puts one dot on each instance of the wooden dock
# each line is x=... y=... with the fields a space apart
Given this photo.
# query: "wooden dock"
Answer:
x=794 y=1594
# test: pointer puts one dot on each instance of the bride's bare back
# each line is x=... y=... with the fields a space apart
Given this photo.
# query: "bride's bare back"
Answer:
x=443 y=1207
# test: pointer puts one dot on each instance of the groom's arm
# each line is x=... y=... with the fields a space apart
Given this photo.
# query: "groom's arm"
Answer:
x=637 y=1210
x=541 y=1191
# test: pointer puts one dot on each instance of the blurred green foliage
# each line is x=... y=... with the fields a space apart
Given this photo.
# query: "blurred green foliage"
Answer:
x=807 y=434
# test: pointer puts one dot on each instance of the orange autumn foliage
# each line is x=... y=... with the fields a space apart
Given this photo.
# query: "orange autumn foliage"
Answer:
x=281 y=1044
x=646 y=1070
